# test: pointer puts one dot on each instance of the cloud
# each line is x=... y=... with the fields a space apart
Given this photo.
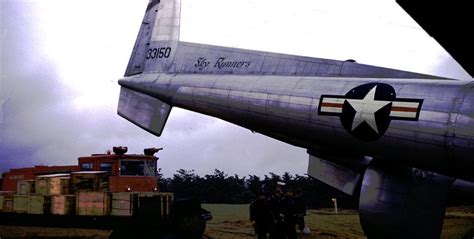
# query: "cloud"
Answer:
x=40 y=123
x=448 y=67
x=214 y=143
x=54 y=111
x=30 y=88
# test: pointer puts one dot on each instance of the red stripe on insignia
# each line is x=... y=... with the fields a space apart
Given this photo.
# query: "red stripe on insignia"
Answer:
x=335 y=105
x=404 y=109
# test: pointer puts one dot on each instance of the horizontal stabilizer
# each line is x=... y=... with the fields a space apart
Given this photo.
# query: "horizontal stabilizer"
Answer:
x=334 y=175
x=145 y=111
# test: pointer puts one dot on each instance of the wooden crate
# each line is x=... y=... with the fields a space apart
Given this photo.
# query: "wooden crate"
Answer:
x=25 y=187
x=92 y=203
x=54 y=184
x=39 y=204
x=8 y=203
x=122 y=204
x=63 y=204
x=90 y=181
x=158 y=202
x=20 y=203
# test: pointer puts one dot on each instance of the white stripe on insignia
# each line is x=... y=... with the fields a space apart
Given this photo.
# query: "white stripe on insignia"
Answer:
x=334 y=100
x=332 y=105
x=411 y=115
x=405 y=104
x=331 y=110
x=403 y=109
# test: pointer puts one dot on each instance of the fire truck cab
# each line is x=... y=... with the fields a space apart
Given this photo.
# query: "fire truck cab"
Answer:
x=114 y=191
x=127 y=172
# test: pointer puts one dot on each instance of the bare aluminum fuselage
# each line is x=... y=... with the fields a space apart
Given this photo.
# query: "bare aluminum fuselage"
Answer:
x=286 y=108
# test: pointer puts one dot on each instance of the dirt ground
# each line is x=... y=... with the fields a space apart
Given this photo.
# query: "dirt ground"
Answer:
x=231 y=222
x=17 y=232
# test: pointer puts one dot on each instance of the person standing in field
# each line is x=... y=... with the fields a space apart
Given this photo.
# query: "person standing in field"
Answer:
x=276 y=226
x=260 y=216
x=289 y=215
x=300 y=209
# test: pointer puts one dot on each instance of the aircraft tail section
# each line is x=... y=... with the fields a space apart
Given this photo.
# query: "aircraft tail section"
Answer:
x=158 y=50
x=154 y=51
x=157 y=38
x=144 y=111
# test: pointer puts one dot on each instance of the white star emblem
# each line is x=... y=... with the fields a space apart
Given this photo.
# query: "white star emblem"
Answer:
x=366 y=108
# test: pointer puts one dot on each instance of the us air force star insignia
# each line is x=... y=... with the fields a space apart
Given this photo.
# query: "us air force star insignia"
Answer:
x=366 y=108
x=366 y=111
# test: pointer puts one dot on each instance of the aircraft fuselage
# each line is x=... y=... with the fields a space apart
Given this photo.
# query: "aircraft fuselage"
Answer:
x=398 y=141
x=427 y=124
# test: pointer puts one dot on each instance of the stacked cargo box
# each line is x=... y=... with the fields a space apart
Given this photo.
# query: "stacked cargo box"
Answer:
x=80 y=193
x=154 y=203
x=25 y=187
x=39 y=204
x=92 y=203
x=21 y=198
x=92 y=197
x=34 y=196
x=122 y=204
x=57 y=189
x=90 y=181
x=47 y=187
x=128 y=203
x=6 y=201
x=53 y=184
x=85 y=193
x=63 y=204
x=20 y=203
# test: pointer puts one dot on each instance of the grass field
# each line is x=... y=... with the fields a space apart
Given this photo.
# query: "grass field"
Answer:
x=232 y=222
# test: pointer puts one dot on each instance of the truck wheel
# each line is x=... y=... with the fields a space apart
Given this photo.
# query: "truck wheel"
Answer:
x=191 y=226
x=120 y=233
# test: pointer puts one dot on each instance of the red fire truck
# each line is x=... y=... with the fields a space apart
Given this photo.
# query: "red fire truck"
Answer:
x=113 y=190
x=127 y=172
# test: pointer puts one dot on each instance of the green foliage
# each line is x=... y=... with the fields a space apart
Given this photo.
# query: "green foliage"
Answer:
x=219 y=187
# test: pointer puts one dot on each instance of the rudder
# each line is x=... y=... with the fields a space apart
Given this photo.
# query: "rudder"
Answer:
x=157 y=40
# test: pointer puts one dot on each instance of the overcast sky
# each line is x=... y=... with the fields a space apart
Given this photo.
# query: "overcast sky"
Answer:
x=61 y=60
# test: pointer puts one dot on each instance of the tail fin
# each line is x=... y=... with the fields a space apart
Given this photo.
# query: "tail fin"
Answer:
x=154 y=51
x=157 y=40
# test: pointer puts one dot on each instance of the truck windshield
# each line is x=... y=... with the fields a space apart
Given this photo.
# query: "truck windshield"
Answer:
x=106 y=167
x=86 y=167
x=138 y=167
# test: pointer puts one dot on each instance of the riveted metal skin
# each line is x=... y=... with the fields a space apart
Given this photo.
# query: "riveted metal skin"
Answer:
x=286 y=108
x=279 y=95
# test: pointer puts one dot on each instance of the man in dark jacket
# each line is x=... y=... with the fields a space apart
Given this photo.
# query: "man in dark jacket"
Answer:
x=300 y=209
x=260 y=216
x=274 y=204
x=289 y=215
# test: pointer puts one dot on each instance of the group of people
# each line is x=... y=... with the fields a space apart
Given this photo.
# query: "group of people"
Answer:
x=278 y=215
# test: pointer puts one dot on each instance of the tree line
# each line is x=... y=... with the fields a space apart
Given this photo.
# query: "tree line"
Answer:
x=220 y=187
